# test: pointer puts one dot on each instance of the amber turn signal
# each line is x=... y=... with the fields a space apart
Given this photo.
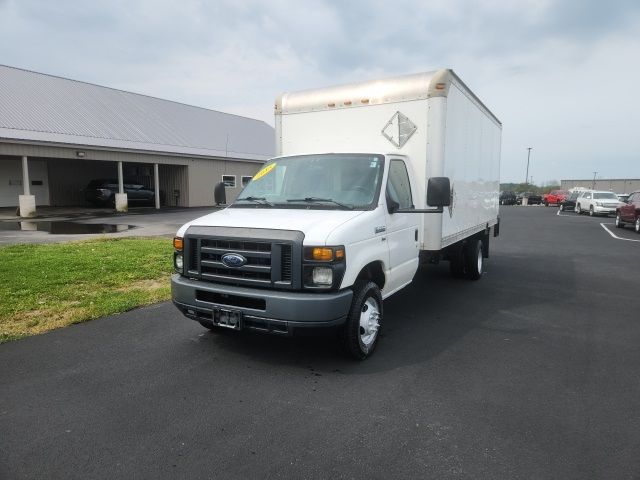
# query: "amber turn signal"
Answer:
x=322 y=254
x=177 y=243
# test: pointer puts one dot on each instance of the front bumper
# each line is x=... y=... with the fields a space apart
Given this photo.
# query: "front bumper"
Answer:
x=607 y=210
x=264 y=310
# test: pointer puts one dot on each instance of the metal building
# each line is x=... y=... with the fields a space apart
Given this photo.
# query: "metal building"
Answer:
x=617 y=185
x=57 y=134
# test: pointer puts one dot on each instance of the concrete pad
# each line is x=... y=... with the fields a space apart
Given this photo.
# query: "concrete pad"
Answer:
x=27 y=205
x=121 y=203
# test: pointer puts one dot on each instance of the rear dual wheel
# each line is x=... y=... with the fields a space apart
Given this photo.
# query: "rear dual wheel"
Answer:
x=468 y=261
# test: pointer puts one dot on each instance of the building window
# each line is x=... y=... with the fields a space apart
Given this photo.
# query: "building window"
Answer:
x=229 y=181
x=245 y=180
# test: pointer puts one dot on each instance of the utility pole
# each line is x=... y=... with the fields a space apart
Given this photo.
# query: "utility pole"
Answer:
x=593 y=185
x=526 y=178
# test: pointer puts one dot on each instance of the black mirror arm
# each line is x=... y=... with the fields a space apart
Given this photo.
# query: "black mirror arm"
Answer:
x=420 y=210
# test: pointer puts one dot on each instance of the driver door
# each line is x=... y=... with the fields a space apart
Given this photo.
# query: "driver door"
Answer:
x=402 y=228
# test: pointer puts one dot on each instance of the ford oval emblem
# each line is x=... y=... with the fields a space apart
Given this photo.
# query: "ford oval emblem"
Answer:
x=233 y=260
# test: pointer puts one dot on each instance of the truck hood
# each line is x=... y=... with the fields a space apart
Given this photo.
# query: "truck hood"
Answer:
x=316 y=225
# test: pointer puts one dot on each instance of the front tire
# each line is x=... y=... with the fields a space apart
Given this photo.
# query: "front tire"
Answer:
x=561 y=207
x=578 y=209
x=637 y=225
x=361 y=331
x=619 y=223
x=591 y=212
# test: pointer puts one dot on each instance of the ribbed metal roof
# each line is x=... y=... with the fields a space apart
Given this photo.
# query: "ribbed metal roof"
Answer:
x=45 y=108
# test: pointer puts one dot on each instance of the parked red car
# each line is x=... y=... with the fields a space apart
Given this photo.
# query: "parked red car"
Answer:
x=554 y=197
x=629 y=212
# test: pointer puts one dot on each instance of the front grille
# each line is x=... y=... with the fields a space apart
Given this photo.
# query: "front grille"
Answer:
x=269 y=263
x=258 y=255
x=286 y=263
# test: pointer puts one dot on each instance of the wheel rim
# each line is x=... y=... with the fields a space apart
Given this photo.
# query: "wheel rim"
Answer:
x=480 y=260
x=617 y=220
x=369 y=322
x=561 y=207
x=638 y=225
x=591 y=211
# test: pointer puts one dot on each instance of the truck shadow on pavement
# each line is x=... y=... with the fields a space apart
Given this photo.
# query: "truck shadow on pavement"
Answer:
x=429 y=317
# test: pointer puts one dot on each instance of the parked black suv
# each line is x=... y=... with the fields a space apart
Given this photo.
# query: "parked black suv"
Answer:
x=102 y=192
x=507 y=198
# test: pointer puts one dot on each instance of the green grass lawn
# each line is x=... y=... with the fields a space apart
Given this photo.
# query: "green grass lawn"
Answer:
x=43 y=287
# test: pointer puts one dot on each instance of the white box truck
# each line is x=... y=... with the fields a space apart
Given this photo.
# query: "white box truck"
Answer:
x=371 y=179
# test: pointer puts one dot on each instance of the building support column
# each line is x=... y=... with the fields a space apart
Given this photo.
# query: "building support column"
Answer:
x=26 y=201
x=121 y=197
x=156 y=184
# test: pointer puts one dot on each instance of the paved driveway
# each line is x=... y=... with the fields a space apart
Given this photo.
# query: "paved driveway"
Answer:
x=144 y=222
x=530 y=373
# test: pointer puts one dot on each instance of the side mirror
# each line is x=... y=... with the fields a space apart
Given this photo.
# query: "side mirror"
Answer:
x=220 y=194
x=439 y=192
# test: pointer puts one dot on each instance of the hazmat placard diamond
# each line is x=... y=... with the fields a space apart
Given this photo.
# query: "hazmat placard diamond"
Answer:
x=399 y=129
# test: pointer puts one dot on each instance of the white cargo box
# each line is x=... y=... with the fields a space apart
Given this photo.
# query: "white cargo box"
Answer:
x=432 y=119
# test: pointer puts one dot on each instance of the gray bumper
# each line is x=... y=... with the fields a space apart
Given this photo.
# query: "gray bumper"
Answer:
x=276 y=311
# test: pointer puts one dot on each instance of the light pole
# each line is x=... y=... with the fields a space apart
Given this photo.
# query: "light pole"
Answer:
x=593 y=185
x=526 y=178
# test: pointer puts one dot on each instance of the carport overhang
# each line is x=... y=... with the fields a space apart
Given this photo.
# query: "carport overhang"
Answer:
x=26 y=149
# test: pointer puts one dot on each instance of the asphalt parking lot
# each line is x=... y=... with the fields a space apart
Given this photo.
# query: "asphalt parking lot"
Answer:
x=532 y=372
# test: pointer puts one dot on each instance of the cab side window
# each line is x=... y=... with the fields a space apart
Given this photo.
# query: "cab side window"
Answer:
x=398 y=186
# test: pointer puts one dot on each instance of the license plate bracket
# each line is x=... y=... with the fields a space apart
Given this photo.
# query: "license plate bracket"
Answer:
x=223 y=317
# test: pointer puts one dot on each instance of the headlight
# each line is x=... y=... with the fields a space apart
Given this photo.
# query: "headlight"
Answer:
x=178 y=262
x=322 y=275
x=323 y=267
x=598 y=204
x=178 y=259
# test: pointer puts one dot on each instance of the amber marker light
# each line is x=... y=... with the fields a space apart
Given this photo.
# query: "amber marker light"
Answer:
x=440 y=86
x=340 y=254
x=177 y=243
x=322 y=254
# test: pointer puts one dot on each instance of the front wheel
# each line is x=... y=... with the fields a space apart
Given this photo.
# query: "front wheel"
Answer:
x=361 y=331
x=561 y=207
x=637 y=225
x=578 y=210
x=591 y=212
x=619 y=223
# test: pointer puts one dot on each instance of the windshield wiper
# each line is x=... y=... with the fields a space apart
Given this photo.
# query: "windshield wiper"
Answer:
x=258 y=200
x=316 y=199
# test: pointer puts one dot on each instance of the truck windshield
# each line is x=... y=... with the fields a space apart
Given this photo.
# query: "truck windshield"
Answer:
x=326 y=181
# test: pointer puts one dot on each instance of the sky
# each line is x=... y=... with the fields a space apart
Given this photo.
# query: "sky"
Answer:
x=562 y=76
